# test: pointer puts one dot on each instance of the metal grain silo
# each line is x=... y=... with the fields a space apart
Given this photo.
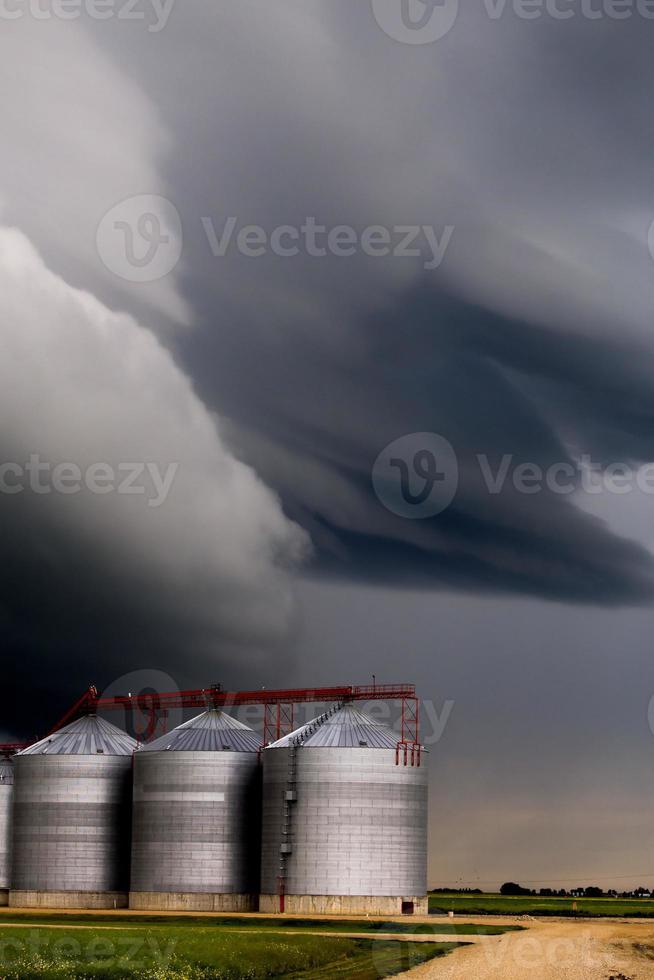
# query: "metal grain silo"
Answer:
x=72 y=809
x=6 y=806
x=197 y=818
x=344 y=820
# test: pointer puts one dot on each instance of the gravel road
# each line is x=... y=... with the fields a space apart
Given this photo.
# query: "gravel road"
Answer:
x=552 y=950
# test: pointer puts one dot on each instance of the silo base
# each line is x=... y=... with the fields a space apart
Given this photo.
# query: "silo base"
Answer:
x=193 y=902
x=4 y=896
x=346 y=904
x=67 y=900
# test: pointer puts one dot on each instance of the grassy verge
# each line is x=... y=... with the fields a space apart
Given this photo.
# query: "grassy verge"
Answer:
x=534 y=905
x=378 y=959
x=199 y=953
x=234 y=923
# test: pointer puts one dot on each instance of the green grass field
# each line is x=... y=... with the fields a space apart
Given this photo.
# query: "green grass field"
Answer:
x=533 y=905
x=196 y=952
x=236 y=923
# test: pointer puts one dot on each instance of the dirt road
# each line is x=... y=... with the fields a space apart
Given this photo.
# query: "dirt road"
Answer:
x=552 y=950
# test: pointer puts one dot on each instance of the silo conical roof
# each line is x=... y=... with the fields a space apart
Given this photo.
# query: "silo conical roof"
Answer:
x=346 y=727
x=212 y=731
x=89 y=735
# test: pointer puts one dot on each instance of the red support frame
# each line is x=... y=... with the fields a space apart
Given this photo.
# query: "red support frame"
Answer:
x=277 y=721
x=10 y=748
x=277 y=704
x=285 y=713
x=408 y=749
x=154 y=714
x=82 y=705
x=410 y=720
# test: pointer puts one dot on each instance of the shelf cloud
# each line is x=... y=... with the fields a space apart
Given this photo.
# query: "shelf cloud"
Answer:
x=130 y=531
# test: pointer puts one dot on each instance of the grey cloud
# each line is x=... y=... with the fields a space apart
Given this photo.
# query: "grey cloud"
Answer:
x=531 y=339
x=435 y=363
x=92 y=581
x=73 y=150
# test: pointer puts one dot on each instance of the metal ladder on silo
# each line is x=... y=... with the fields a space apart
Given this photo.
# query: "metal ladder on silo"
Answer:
x=290 y=799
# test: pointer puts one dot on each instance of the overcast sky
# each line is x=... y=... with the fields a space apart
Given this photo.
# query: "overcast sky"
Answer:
x=359 y=295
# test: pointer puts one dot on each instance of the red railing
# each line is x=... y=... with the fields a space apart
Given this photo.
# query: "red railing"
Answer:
x=277 y=705
x=216 y=697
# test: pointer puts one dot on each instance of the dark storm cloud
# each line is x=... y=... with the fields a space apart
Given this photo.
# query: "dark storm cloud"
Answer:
x=432 y=363
x=101 y=570
x=72 y=616
x=532 y=338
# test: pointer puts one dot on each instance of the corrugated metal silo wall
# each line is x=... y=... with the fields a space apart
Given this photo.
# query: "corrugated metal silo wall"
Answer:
x=72 y=818
x=196 y=823
x=6 y=805
x=359 y=826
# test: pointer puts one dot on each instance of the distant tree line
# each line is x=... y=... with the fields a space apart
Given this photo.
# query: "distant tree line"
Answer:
x=456 y=891
x=583 y=891
x=512 y=888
